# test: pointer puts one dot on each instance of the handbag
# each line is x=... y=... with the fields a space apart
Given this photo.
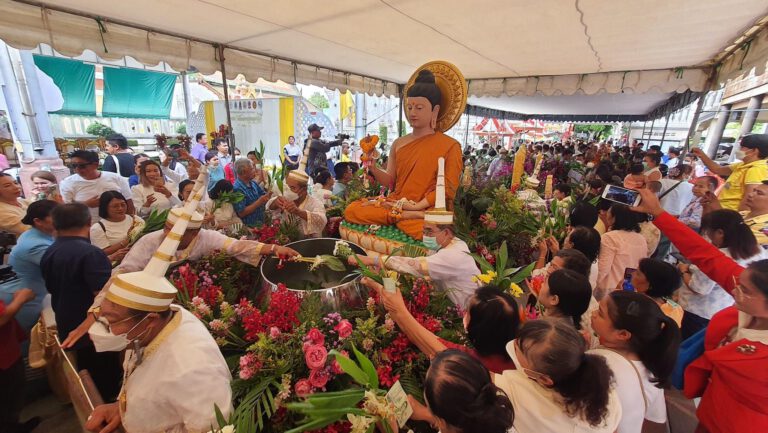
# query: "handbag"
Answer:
x=690 y=350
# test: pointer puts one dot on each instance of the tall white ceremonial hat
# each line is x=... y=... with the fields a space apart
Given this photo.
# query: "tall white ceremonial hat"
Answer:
x=148 y=289
x=439 y=215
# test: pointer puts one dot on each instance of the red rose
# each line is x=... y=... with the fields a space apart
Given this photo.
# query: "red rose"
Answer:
x=315 y=356
x=316 y=337
x=303 y=388
x=318 y=378
x=344 y=328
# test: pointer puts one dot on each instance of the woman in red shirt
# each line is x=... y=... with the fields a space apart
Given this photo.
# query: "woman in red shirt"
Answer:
x=731 y=377
x=492 y=320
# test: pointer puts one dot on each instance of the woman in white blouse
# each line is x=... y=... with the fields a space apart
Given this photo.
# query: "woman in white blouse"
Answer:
x=557 y=387
x=640 y=343
x=112 y=232
x=153 y=192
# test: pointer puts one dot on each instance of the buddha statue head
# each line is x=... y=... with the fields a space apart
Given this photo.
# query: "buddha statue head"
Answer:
x=423 y=101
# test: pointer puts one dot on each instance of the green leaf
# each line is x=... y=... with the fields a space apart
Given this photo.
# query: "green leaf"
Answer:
x=219 y=416
x=484 y=265
x=503 y=256
x=368 y=368
x=350 y=368
x=523 y=274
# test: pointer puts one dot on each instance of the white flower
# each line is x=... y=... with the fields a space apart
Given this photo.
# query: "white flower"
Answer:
x=359 y=423
x=316 y=263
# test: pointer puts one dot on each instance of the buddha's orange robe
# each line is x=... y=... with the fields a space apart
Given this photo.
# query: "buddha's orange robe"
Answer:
x=416 y=178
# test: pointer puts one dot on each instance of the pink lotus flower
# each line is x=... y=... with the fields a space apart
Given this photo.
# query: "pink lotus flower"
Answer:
x=315 y=356
x=303 y=388
x=318 y=378
x=316 y=337
x=344 y=328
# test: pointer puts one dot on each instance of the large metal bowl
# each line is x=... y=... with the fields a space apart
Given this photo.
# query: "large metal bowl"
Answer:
x=336 y=288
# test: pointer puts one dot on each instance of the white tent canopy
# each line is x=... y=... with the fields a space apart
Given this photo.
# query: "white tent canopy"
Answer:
x=509 y=47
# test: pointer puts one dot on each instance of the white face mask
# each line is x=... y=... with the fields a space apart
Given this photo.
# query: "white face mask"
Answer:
x=106 y=341
x=513 y=354
x=290 y=195
x=258 y=166
x=740 y=154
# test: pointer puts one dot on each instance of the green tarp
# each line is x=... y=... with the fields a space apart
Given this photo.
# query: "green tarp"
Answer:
x=75 y=79
x=137 y=93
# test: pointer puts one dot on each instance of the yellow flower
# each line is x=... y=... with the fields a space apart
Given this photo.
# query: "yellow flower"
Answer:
x=515 y=290
x=485 y=278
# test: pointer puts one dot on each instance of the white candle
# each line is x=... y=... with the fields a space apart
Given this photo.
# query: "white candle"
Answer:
x=440 y=190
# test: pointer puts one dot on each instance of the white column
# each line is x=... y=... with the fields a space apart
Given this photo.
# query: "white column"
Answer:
x=20 y=128
x=360 y=117
x=37 y=103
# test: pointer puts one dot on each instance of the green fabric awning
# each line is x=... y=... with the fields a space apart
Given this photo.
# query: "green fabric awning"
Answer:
x=137 y=93
x=76 y=81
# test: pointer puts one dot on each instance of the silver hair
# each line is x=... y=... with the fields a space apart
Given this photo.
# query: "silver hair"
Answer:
x=240 y=165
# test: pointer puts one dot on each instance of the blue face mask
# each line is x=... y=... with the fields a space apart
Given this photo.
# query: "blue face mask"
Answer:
x=431 y=243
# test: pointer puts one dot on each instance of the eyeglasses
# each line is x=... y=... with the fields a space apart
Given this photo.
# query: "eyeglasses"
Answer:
x=96 y=313
x=75 y=166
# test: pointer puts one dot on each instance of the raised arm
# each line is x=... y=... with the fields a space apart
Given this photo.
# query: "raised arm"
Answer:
x=426 y=341
x=720 y=170
x=716 y=265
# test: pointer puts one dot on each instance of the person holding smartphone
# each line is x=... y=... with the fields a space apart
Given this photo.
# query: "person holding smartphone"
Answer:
x=621 y=247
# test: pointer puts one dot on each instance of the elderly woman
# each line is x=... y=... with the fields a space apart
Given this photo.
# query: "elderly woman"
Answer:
x=296 y=203
x=12 y=209
x=113 y=231
x=153 y=192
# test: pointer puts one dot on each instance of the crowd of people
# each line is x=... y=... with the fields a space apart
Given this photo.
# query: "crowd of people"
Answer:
x=620 y=295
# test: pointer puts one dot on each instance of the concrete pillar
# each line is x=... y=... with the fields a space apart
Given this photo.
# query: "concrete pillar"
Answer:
x=185 y=92
x=37 y=103
x=361 y=118
x=747 y=121
x=29 y=118
x=20 y=128
x=716 y=130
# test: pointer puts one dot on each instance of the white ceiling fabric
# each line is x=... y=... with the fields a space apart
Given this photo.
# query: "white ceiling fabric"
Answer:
x=503 y=47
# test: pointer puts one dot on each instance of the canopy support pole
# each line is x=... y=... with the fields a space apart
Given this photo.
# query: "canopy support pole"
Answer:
x=231 y=134
x=642 y=134
x=664 y=134
x=466 y=133
x=650 y=133
x=401 y=93
x=699 y=107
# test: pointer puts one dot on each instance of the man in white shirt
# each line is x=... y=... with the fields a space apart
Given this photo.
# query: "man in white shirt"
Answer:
x=174 y=373
x=88 y=183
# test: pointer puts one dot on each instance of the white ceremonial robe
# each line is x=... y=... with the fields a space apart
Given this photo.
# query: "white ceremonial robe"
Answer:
x=451 y=269
x=205 y=243
x=180 y=380
x=316 y=218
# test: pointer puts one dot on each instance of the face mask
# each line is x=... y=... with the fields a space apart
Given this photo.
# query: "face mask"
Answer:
x=645 y=165
x=290 y=195
x=513 y=354
x=431 y=243
x=106 y=341
x=258 y=166
x=740 y=154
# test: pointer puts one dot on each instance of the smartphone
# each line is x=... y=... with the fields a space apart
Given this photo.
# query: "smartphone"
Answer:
x=621 y=195
x=627 y=285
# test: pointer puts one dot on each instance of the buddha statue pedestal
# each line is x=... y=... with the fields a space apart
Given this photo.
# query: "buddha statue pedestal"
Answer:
x=381 y=239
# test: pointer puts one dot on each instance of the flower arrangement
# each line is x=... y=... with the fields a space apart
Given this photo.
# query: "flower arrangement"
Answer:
x=498 y=274
x=286 y=347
